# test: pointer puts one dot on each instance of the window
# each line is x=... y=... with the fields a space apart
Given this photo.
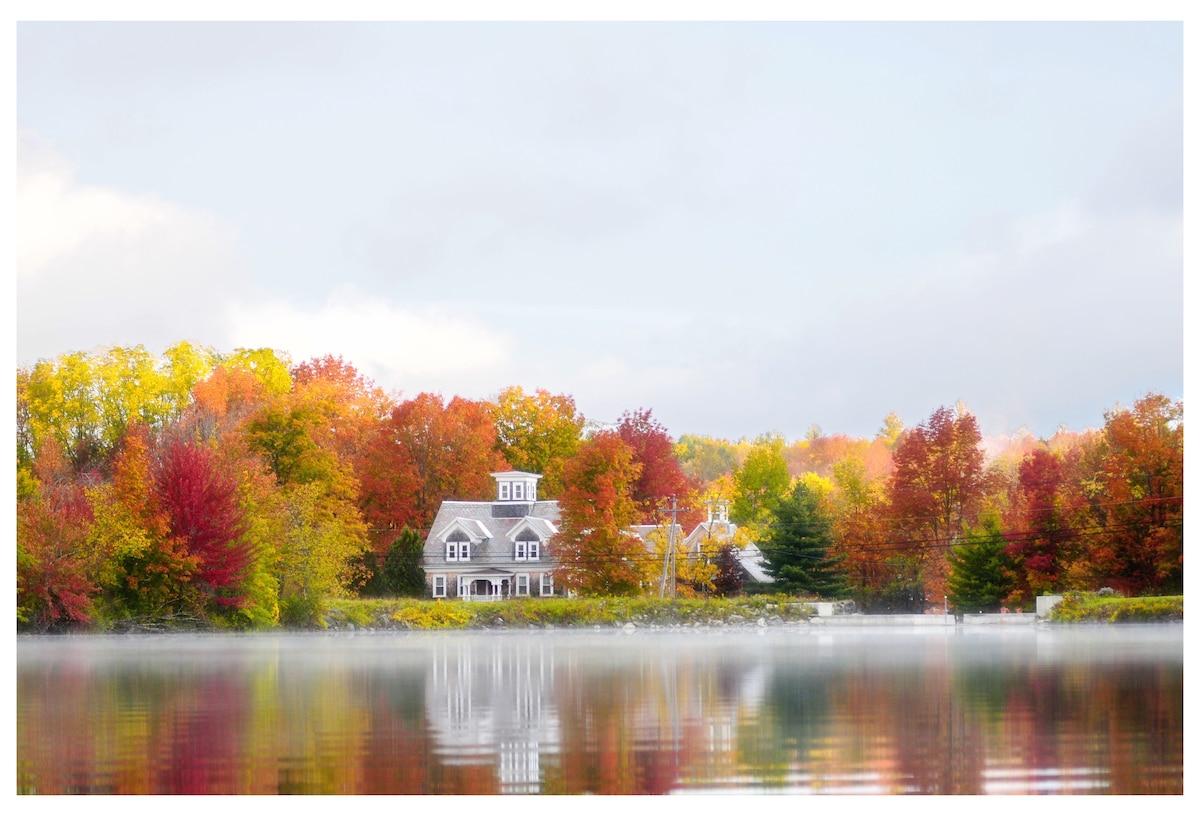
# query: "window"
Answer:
x=528 y=546
x=518 y=491
x=439 y=586
x=504 y=491
x=547 y=583
x=522 y=585
x=458 y=547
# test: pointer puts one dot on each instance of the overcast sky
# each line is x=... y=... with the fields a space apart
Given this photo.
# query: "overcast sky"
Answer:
x=744 y=227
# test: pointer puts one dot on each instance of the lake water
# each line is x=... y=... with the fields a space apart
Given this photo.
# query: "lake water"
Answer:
x=798 y=709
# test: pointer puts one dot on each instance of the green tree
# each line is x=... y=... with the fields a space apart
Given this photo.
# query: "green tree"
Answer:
x=401 y=573
x=705 y=459
x=323 y=541
x=981 y=571
x=760 y=483
x=796 y=548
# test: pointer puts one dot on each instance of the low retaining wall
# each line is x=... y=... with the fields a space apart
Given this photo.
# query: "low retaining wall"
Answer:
x=1002 y=619
x=883 y=620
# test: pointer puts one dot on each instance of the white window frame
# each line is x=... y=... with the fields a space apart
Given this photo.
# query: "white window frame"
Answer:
x=518 y=491
x=504 y=491
x=458 y=550
x=439 y=586
x=547 y=584
x=522 y=584
x=519 y=553
x=535 y=550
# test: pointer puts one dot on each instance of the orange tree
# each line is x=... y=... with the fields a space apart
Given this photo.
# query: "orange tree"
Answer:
x=595 y=550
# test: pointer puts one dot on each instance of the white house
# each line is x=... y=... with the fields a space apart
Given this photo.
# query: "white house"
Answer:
x=497 y=549
x=486 y=550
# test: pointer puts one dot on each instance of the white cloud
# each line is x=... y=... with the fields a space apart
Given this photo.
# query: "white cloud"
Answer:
x=100 y=266
x=394 y=345
x=57 y=217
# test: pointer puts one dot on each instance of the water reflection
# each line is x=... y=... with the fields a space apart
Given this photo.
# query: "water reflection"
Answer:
x=1094 y=709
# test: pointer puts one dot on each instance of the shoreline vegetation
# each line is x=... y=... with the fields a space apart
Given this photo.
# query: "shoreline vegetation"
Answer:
x=411 y=614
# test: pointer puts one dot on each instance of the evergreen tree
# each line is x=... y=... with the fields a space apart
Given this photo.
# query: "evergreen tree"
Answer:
x=401 y=574
x=981 y=571
x=796 y=547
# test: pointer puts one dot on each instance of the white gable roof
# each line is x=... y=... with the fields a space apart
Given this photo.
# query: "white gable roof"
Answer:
x=541 y=526
x=474 y=528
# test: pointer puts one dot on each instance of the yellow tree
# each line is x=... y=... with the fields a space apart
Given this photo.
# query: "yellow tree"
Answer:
x=537 y=433
x=62 y=406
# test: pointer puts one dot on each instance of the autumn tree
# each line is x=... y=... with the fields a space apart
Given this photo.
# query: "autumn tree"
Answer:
x=596 y=552
x=349 y=404
x=859 y=529
x=200 y=499
x=62 y=406
x=661 y=477
x=1140 y=546
x=685 y=573
x=727 y=580
x=934 y=492
x=144 y=570
x=537 y=433
x=224 y=400
x=797 y=546
x=1042 y=538
x=54 y=573
x=427 y=452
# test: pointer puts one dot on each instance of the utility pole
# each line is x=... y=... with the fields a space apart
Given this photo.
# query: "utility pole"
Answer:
x=669 y=558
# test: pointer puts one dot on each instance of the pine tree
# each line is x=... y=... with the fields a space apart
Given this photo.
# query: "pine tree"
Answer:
x=796 y=547
x=981 y=571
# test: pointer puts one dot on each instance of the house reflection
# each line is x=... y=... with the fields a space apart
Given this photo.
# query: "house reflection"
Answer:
x=498 y=703
x=491 y=703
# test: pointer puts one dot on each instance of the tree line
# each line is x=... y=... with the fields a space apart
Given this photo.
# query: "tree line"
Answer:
x=239 y=489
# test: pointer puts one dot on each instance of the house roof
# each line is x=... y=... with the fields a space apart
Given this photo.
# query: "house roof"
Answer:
x=501 y=520
x=751 y=557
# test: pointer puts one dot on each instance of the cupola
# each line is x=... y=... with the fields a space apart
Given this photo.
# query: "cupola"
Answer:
x=516 y=486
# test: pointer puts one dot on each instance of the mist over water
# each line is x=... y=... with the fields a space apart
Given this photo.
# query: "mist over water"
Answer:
x=1088 y=709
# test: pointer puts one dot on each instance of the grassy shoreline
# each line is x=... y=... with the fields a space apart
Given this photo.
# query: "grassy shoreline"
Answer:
x=411 y=614
x=1091 y=607
x=403 y=614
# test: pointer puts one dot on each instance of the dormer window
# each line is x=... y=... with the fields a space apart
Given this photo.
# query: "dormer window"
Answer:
x=504 y=491
x=528 y=547
x=518 y=491
x=458 y=547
